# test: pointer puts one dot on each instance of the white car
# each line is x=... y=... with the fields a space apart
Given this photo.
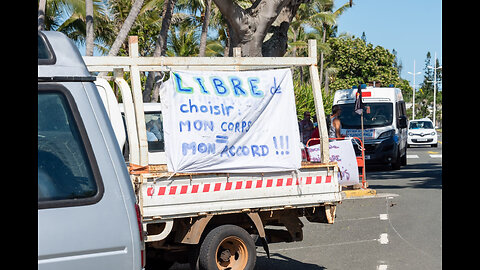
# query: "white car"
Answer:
x=421 y=132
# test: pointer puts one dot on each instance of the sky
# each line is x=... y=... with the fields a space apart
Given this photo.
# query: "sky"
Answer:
x=411 y=27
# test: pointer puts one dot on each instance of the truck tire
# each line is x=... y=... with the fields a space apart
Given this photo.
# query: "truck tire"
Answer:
x=227 y=247
x=398 y=162
x=404 y=158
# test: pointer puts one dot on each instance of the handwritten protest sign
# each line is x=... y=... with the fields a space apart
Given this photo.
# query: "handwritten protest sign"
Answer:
x=238 y=121
x=342 y=152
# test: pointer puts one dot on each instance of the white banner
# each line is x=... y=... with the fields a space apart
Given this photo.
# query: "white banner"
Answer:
x=238 y=121
x=342 y=152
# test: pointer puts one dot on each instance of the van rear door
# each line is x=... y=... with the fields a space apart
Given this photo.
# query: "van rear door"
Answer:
x=82 y=219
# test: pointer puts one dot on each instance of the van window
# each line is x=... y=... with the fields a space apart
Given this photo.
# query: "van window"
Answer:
x=64 y=170
x=154 y=123
x=401 y=111
x=375 y=114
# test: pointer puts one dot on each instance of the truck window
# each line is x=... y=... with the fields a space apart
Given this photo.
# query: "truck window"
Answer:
x=65 y=174
x=154 y=123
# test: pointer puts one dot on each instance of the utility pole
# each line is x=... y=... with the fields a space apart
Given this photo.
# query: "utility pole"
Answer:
x=434 y=87
x=413 y=86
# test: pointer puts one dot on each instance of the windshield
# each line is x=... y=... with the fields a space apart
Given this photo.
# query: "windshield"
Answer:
x=421 y=124
x=374 y=115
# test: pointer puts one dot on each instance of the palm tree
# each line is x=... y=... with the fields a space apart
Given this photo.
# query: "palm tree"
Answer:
x=322 y=20
x=89 y=22
x=183 y=39
x=68 y=17
x=126 y=26
x=160 y=45
x=41 y=14
x=205 y=23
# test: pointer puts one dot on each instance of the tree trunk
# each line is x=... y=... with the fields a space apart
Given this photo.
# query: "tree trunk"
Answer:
x=127 y=24
x=250 y=26
x=206 y=20
x=327 y=81
x=41 y=14
x=276 y=46
x=123 y=33
x=321 y=54
x=228 y=51
x=89 y=26
x=160 y=48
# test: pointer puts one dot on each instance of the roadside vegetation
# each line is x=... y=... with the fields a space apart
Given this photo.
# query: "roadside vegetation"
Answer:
x=260 y=28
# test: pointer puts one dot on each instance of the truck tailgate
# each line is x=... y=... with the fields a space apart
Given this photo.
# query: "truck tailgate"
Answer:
x=199 y=194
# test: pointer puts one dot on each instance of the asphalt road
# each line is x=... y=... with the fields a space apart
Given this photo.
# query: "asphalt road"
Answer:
x=400 y=228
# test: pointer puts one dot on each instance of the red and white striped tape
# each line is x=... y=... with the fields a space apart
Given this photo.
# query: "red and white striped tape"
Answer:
x=234 y=185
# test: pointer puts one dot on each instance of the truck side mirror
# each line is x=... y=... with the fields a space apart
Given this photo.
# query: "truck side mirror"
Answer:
x=402 y=121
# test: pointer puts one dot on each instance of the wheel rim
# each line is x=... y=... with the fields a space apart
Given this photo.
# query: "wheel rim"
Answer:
x=231 y=254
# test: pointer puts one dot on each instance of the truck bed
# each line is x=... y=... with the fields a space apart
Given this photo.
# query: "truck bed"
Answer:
x=163 y=196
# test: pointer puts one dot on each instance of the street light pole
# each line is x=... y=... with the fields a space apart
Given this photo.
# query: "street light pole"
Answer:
x=435 y=88
x=413 y=100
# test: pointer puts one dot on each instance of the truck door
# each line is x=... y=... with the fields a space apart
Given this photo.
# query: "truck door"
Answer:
x=401 y=112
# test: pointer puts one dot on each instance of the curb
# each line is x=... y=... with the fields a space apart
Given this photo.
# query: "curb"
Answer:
x=356 y=193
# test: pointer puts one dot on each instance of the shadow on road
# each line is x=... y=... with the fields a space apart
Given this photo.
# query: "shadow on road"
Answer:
x=420 y=175
x=281 y=262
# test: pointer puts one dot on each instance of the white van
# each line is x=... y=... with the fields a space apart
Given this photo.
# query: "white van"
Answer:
x=384 y=122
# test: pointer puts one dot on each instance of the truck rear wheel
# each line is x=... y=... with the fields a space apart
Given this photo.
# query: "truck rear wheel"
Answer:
x=227 y=247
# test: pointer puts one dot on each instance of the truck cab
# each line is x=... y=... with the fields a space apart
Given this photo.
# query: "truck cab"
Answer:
x=384 y=122
x=87 y=212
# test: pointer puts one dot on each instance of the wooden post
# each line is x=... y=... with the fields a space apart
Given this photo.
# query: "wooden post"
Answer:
x=317 y=97
x=237 y=52
x=138 y=100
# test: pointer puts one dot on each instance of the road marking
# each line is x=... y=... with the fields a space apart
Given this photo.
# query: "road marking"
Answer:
x=383 y=216
x=412 y=156
x=383 y=239
x=355 y=219
x=436 y=156
x=376 y=196
x=432 y=152
x=382 y=267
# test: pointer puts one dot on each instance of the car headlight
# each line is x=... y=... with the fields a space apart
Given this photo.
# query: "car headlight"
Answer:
x=410 y=133
x=433 y=133
x=387 y=134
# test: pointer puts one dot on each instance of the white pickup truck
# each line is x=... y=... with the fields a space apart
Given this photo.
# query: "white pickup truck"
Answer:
x=212 y=220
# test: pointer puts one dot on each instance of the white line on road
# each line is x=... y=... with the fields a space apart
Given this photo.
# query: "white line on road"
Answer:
x=383 y=239
x=382 y=267
x=412 y=156
x=383 y=216
x=436 y=156
x=354 y=219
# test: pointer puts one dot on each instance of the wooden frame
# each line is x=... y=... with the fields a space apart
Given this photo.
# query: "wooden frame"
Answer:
x=134 y=64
